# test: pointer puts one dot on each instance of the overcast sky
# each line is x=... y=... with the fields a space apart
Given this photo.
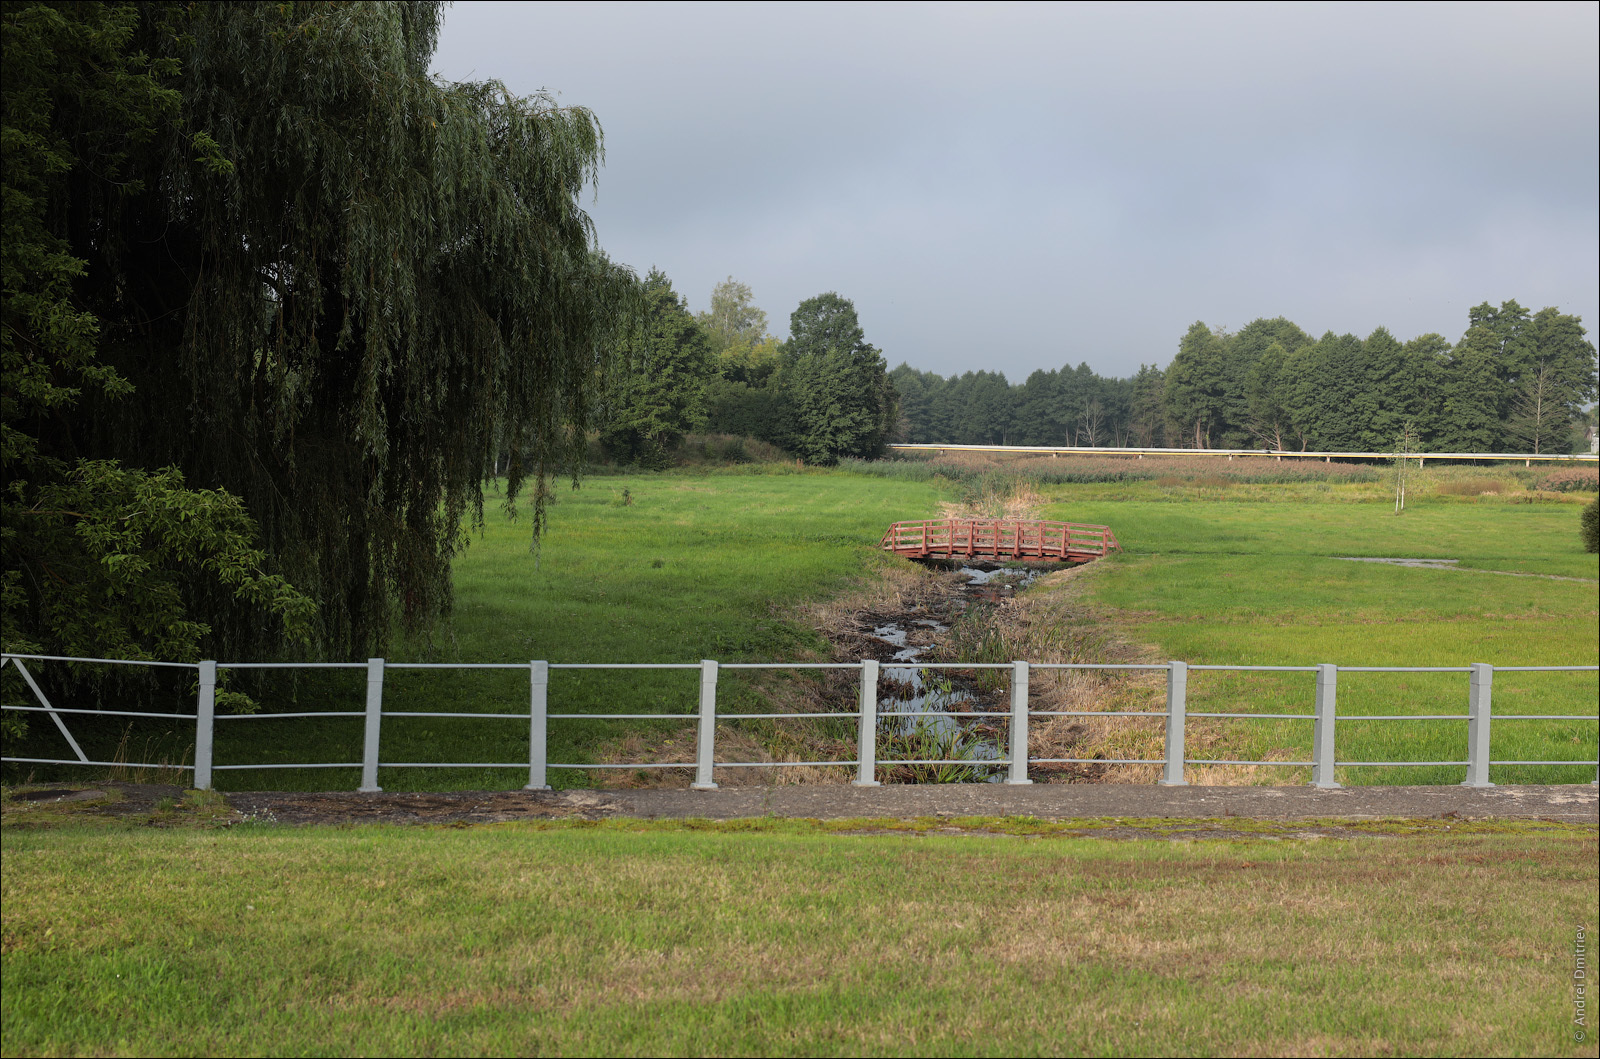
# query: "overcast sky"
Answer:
x=1018 y=186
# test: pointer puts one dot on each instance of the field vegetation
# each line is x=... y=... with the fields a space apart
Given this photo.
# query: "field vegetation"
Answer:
x=235 y=935
x=760 y=937
x=766 y=562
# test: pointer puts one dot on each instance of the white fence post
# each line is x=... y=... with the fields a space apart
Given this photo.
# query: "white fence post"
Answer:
x=1322 y=740
x=205 y=725
x=1479 y=694
x=867 y=730
x=706 y=744
x=538 y=708
x=1019 y=724
x=1177 y=709
x=369 y=741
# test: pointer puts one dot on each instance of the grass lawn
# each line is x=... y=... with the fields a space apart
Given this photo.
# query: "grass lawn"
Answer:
x=772 y=937
x=1224 y=582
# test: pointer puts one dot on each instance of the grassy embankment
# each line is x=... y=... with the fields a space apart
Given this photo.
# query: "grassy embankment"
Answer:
x=772 y=937
x=1218 y=568
x=633 y=568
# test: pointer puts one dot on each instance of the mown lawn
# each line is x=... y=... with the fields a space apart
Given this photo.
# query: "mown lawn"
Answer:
x=777 y=938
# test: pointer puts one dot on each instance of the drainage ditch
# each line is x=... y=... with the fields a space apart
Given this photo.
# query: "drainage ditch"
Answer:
x=919 y=708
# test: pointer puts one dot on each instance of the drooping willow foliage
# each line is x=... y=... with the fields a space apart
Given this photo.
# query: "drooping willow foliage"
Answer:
x=340 y=290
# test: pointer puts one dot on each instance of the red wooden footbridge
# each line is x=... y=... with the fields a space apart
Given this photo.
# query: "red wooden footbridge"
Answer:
x=989 y=538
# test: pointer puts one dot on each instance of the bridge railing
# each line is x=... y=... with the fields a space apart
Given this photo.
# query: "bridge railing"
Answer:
x=1477 y=721
x=1015 y=538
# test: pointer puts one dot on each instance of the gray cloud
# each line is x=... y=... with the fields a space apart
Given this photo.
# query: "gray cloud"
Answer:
x=1018 y=186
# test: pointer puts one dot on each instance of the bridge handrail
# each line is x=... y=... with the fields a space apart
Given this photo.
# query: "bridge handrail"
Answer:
x=1012 y=534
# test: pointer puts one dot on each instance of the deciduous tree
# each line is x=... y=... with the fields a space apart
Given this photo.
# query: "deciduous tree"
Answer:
x=99 y=559
x=339 y=288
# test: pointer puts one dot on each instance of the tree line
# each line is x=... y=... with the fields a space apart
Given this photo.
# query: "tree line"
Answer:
x=1516 y=380
x=278 y=304
x=821 y=394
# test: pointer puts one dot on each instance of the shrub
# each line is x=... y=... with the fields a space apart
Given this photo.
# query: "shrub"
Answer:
x=1572 y=480
x=1589 y=523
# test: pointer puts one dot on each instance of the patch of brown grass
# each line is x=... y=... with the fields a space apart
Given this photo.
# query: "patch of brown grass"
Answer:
x=1011 y=500
x=1470 y=487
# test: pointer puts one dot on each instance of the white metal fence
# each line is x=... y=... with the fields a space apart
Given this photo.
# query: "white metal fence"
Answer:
x=1478 y=718
x=1528 y=458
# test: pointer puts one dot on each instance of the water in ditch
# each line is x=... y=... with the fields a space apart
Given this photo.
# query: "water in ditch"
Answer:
x=919 y=712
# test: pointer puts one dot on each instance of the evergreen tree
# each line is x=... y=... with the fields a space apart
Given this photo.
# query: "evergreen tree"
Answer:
x=915 y=403
x=1197 y=392
x=1329 y=392
x=661 y=392
x=1258 y=401
x=1038 y=414
x=1148 y=407
x=1425 y=359
x=1469 y=390
x=1269 y=398
x=1380 y=414
x=980 y=403
x=834 y=384
x=942 y=406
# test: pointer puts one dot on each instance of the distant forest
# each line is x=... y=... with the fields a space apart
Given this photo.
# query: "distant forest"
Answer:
x=1516 y=381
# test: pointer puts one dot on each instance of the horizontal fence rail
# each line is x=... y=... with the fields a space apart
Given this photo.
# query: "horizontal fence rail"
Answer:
x=1323 y=718
x=1528 y=458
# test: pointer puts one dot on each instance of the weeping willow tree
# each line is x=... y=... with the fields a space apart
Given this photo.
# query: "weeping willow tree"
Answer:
x=337 y=289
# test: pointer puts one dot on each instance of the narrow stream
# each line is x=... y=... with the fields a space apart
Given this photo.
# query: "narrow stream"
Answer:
x=930 y=693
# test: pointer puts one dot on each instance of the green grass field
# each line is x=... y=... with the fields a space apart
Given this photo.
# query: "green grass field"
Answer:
x=633 y=568
x=792 y=938
x=176 y=934
x=678 y=567
x=1257 y=583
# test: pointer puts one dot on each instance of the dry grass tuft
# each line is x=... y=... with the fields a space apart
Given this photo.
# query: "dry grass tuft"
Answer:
x=162 y=770
x=1470 y=487
x=1052 y=623
x=1006 y=500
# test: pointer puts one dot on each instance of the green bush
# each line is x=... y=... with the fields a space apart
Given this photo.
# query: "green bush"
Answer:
x=1590 y=523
